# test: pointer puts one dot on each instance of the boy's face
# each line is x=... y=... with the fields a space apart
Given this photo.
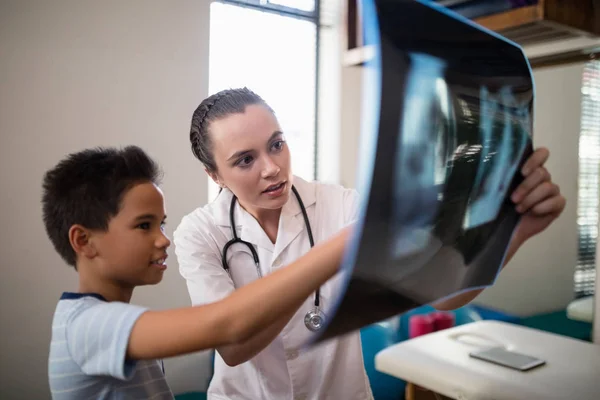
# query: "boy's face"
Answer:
x=133 y=250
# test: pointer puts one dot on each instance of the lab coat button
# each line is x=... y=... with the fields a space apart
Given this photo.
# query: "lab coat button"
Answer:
x=276 y=263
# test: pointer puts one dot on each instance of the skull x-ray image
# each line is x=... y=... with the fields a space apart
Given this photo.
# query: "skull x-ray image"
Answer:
x=447 y=125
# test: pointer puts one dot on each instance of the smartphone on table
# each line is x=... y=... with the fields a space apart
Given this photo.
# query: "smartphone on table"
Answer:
x=509 y=359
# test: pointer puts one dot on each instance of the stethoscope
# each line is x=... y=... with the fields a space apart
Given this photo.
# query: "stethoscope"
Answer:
x=314 y=318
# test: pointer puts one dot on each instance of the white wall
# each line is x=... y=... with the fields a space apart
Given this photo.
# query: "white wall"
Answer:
x=540 y=277
x=76 y=74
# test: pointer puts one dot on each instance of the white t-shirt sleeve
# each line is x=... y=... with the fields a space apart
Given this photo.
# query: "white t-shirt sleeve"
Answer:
x=98 y=335
x=199 y=260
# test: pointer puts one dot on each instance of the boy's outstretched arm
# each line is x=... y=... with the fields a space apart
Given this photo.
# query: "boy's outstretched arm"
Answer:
x=240 y=316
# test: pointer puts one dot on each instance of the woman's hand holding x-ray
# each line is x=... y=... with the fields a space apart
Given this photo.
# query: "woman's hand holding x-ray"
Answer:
x=540 y=202
x=537 y=198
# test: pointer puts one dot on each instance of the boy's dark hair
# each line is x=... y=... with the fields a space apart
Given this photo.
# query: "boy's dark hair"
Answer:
x=87 y=188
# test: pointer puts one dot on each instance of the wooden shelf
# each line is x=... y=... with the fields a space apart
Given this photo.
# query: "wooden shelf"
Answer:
x=512 y=19
x=358 y=55
x=546 y=21
x=352 y=37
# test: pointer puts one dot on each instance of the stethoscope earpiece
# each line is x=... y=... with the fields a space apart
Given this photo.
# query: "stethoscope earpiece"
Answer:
x=314 y=319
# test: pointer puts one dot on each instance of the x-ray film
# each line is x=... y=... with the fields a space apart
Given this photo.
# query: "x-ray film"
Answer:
x=447 y=122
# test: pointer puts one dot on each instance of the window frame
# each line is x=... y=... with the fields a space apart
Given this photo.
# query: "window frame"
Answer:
x=265 y=5
x=311 y=16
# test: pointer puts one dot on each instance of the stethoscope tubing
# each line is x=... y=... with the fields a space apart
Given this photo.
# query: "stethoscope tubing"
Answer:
x=236 y=239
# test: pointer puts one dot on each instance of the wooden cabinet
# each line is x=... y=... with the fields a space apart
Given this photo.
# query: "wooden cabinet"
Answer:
x=546 y=21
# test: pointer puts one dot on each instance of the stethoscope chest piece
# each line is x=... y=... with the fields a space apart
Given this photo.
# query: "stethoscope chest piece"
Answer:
x=314 y=319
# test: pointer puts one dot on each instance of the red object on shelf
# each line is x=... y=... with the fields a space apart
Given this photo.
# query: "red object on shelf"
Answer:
x=442 y=320
x=419 y=325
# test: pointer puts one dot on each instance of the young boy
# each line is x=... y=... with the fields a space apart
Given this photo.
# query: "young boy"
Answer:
x=105 y=215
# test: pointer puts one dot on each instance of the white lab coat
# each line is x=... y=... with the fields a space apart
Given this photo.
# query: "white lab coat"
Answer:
x=284 y=370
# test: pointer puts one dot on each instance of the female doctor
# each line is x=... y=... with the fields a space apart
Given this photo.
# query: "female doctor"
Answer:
x=265 y=218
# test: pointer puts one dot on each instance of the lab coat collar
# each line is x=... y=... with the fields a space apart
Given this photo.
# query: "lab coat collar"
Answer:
x=291 y=222
x=246 y=226
x=306 y=191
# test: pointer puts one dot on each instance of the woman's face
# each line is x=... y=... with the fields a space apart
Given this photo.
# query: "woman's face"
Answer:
x=252 y=158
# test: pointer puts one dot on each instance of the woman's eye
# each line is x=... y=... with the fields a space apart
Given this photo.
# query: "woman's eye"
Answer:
x=278 y=145
x=244 y=162
x=144 y=225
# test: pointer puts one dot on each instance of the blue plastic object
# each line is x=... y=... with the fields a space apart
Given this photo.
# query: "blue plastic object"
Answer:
x=381 y=335
x=375 y=338
x=496 y=315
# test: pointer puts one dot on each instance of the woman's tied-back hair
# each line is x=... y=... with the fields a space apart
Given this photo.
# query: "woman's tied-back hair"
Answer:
x=87 y=188
x=215 y=107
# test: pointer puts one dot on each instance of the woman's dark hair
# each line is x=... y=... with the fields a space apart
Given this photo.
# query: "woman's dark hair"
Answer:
x=215 y=107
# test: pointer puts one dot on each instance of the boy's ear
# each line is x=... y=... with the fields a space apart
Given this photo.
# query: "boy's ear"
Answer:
x=80 y=239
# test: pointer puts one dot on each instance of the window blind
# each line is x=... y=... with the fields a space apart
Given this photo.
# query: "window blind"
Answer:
x=588 y=193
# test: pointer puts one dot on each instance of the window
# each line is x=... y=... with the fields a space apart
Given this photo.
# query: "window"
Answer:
x=588 y=193
x=270 y=46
